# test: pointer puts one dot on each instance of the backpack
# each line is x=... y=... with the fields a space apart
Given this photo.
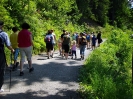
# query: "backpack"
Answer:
x=49 y=39
x=83 y=40
x=88 y=37
x=1 y=40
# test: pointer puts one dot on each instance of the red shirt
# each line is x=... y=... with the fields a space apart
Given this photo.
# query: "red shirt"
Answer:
x=24 y=39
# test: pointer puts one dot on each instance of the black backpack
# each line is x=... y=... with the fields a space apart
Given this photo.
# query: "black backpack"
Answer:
x=83 y=40
x=1 y=40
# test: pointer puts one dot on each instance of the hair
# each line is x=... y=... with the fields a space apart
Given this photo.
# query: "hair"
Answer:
x=1 y=23
x=73 y=42
x=64 y=31
x=25 y=26
x=14 y=29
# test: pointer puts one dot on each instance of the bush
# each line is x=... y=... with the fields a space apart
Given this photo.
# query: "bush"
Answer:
x=108 y=77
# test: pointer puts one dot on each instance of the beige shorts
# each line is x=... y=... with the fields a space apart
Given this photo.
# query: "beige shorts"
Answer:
x=25 y=52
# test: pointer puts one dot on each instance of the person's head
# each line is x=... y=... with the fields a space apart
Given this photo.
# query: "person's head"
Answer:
x=49 y=32
x=1 y=24
x=52 y=30
x=14 y=29
x=25 y=26
x=64 y=31
x=74 y=42
x=81 y=34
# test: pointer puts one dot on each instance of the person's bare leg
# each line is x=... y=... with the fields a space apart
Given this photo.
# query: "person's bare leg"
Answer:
x=21 y=66
x=30 y=63
x=66 y=55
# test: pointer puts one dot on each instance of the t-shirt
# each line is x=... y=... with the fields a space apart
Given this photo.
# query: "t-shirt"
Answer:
x=14 y=40
x=62 y=35
x=73 y=47
x=5 y=38
x=24 y=38
x=66 y=39
x=94 y=40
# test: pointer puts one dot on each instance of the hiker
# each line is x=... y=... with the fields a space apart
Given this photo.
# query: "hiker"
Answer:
x=74 y=36
x=14 y=43
x=54 y=38
x=59 y=45
x=66 y=42
x=25 y=44
x=88 y=40
x=82 y=42
x=94 y=42
x=49 y=44
x=62 y=35
x=4 y=39
x=99 y=39
x=73 y=49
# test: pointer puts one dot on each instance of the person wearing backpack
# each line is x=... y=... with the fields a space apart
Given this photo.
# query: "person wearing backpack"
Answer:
x=88 y=40
x=49 y=43
x=99 y=39
x=82 y=42
x=4 y=40
x=66 y=44
x=94 y=42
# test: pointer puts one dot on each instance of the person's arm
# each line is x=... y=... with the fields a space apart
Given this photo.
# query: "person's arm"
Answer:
x=55 y=38
x=10 y=48
x=7 y=43
x=31 y=40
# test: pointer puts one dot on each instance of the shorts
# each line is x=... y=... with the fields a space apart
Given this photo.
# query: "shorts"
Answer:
x=88 y=40
x=49 y=46
x=26 y=51
x=16 y=53
x=62 y=47
x=93 y=44
x=66 y=48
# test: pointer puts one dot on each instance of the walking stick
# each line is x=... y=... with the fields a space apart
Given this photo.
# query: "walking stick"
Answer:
x=10 y=69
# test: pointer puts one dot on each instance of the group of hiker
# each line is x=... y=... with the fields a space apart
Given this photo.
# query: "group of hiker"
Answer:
x=67 y=43
x=21 y=42
x=18 y=43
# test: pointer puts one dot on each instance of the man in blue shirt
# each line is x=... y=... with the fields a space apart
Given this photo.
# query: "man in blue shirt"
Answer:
x=4 y=39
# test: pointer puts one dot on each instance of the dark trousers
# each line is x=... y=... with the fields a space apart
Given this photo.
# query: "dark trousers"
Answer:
x=73 y=53
x=2 y=68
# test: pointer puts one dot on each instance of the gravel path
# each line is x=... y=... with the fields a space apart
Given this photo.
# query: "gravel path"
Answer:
x=54 y=78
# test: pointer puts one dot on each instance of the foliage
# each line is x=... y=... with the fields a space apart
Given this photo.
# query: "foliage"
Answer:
x=109 y=77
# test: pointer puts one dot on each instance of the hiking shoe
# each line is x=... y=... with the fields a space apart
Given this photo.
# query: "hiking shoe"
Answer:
x=17 y=64
x=21 y=74
x=51 y=56
x=83 y=58
x=13 y=68
x=1 y=90
x=31 y=70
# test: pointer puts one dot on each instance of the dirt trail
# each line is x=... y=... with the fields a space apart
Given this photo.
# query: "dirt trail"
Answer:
x=54 y=78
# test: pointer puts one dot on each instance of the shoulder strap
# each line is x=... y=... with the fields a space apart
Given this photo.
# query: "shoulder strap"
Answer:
x=1 y=31
x=2 y=36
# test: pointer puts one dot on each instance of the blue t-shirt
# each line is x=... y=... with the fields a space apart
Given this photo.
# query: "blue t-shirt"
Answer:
x=88 y=37
x=5 y=38
x=94 y=40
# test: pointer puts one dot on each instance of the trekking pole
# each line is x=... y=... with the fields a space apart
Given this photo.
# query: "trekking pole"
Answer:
x=10 y=69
